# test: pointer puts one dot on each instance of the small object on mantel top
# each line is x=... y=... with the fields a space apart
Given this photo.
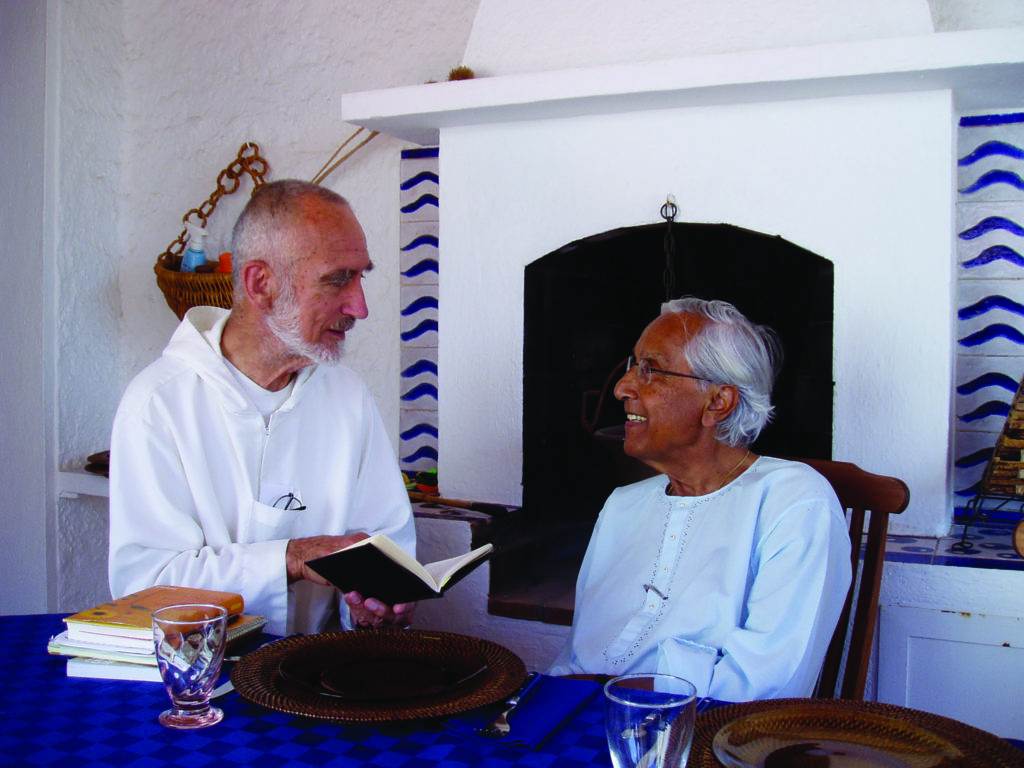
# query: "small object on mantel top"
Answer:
x=98 y=463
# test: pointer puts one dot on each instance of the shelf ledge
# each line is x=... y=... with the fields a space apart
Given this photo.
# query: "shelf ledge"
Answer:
x=983 y=69
x=74 y=483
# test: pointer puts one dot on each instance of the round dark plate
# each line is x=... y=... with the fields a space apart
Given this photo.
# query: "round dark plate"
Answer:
x=863 y=729
x=378 y=675
x=384 y=679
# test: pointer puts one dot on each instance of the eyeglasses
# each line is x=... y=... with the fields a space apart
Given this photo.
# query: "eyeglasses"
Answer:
x=289 y=502
x=644 y=369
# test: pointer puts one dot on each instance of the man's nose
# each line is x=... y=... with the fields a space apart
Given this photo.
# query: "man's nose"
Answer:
x=625 y=388
x=355 y=301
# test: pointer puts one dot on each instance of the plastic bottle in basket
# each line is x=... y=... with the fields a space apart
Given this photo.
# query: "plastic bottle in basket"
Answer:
x=195 y=254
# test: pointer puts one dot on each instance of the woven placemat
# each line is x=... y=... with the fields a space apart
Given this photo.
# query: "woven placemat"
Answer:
x=980 y=748
x=257 y=676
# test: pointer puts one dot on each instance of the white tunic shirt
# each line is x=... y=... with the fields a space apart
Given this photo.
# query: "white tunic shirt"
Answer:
x=197 y=477
x=737 y=591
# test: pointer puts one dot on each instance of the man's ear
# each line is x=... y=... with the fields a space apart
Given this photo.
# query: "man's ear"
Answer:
x=260 y=284
x=723 y=401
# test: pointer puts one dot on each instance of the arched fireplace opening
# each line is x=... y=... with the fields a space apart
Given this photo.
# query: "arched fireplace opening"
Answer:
x=585 y=306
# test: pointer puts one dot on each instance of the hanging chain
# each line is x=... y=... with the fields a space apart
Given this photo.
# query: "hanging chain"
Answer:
x=249 y=161
x=668 y=213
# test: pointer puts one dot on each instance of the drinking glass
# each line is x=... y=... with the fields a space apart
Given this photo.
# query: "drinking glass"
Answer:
x=649 y=720
x=190 y=642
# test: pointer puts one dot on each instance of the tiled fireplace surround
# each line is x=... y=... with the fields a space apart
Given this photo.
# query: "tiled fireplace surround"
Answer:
x=854 y=159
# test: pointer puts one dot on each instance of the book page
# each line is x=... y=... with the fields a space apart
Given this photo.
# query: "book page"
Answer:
x=442 y=570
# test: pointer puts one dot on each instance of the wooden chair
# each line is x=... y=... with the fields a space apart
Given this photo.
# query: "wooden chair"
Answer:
x=876 y=497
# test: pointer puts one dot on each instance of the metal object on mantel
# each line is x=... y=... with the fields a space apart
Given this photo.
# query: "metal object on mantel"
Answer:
x=1003 y=481
x=494 y=510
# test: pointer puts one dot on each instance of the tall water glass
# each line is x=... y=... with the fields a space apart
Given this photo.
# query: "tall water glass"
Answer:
x=649 y=720
x=190 y=642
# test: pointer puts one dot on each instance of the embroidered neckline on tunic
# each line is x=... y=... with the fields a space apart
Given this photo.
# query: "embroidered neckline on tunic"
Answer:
x=696 y=501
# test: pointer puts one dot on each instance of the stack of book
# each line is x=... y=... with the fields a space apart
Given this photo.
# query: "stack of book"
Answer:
x=115 y=640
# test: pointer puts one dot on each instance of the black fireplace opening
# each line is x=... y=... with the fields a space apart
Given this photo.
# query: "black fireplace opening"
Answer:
x=585 y=305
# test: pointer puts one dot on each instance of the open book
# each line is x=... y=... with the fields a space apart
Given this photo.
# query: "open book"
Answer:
x=377 y=567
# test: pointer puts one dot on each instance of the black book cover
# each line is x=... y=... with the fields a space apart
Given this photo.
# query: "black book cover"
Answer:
x=372 y=573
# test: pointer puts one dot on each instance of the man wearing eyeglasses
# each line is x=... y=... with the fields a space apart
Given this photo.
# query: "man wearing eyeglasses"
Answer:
x=247 y=449
x=727 y=569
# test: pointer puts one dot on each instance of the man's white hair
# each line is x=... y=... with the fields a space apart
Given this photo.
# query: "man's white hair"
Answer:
x=729 y=349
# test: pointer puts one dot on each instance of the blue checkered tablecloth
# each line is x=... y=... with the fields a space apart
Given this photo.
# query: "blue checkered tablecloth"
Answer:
x=49 y=719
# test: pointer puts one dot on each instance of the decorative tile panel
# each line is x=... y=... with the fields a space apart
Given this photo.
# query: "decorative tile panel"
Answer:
x=989 y=325
x=419 y=252
x=419 y=202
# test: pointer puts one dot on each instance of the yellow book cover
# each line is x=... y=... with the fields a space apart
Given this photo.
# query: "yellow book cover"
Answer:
x=130 y=616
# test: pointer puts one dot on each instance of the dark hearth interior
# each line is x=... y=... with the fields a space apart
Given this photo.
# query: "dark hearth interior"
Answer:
x=585 y=306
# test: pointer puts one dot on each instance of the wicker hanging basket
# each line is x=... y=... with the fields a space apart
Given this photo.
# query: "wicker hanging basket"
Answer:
x=184 y=290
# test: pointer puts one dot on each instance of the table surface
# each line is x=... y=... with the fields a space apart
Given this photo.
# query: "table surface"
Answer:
x=50 y=719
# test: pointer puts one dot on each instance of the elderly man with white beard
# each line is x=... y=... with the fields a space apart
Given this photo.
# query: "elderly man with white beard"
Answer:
x=247 y=449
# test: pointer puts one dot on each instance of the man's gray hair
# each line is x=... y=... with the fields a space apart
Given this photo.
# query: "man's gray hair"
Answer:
x=729 y=349
x=266 y=228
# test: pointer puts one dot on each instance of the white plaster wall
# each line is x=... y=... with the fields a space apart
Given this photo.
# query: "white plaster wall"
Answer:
x=157 y=96
x=976 y=14
x=863 y=181
x=23 y=401
x=537 y=35
x=88 y=248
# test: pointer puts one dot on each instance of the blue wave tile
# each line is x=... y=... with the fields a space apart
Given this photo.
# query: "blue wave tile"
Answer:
x=990 y=379
x=413 y=417
x=969 y=491
x=420 y=202
x=418 y=368
x=419 y=305
x=992 y=254
x=418 y=448
x=418 y=175
x=992 y=332
x=420 y=152
x=990 y=149
x=422 y=241
x=423 y=177
x=419 y=254
x=974 y=459
x=421 y=267
x=423 y=452
x=418 y=430
x=423 y=328
x=991 y=408
x=420 y=390
x=997 y=176
x=992 y=224
x=990 y=304
x=975 y=121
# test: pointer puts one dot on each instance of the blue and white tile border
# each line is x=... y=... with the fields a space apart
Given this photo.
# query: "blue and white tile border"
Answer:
x=419 y=202
x=990 y=289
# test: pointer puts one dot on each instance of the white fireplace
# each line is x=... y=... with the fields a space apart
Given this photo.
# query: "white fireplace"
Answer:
x=845 y=149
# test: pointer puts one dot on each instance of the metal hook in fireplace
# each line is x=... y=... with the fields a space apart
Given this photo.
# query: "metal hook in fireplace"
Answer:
x=668 y=213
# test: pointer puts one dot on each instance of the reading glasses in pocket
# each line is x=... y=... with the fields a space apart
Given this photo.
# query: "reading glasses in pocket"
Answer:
x=289 y=502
